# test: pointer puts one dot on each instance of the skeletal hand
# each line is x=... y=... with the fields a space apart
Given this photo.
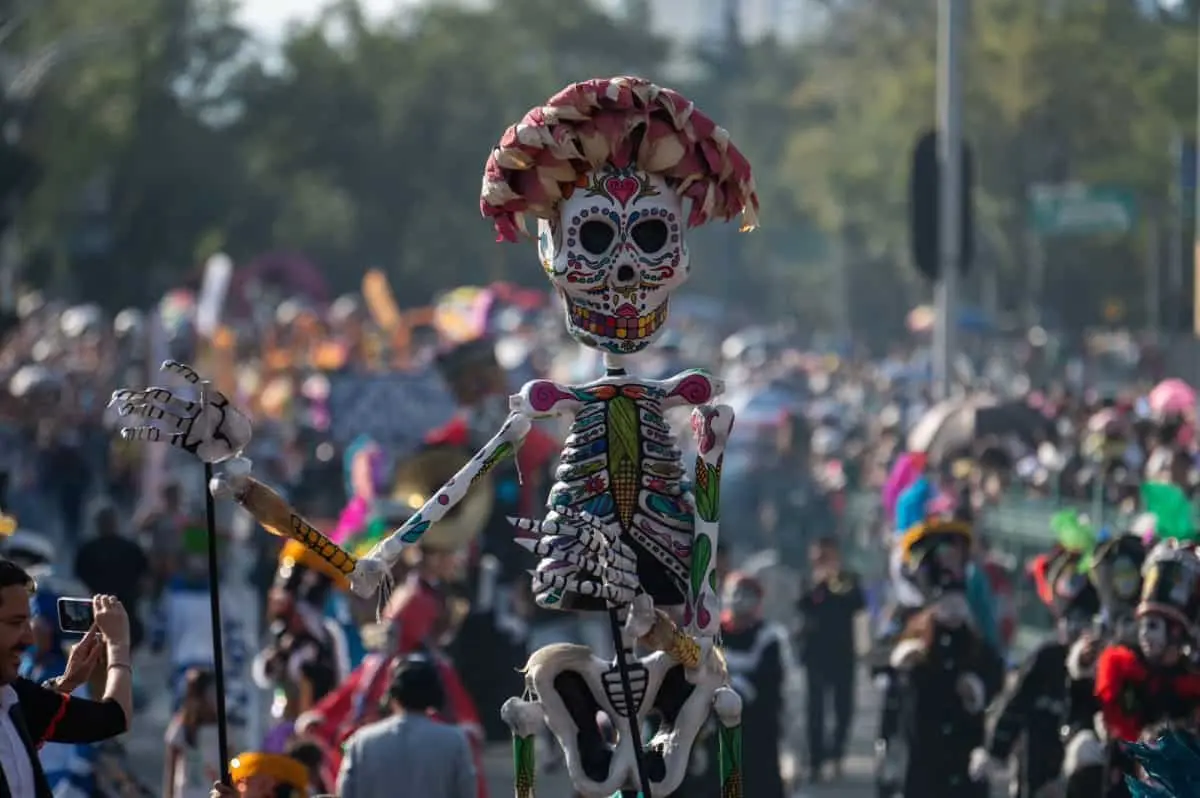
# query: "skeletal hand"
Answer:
x=212 y=429
x=581 y=555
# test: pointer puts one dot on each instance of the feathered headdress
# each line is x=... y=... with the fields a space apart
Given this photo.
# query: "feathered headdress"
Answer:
x=915 y=521
x=905 y=471
x=1172 y=763
x=1172 y=511
x=1060 y=575
x=623 y=121
x=1075 y=535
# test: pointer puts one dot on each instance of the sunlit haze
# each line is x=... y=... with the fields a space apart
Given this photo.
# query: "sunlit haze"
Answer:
x=269 y=17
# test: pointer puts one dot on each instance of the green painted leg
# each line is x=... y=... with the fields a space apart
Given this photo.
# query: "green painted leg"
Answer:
x=731 y=761
x=524 y=765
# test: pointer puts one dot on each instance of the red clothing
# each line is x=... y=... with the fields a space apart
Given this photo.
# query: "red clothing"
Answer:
x=357 y=701
x=1001 y=583
x=1133 y=694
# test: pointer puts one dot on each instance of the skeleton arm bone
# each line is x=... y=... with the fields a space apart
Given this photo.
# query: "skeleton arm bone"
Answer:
x=369 y=572
x=711 y=426
x=278 y=517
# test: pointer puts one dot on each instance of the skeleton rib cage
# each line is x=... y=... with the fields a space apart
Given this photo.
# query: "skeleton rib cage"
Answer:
x=620 y=466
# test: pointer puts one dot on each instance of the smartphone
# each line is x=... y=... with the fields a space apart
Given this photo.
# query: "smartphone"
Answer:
x=76 y=615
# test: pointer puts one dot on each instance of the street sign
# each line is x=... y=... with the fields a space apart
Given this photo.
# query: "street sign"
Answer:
x=1076 y=209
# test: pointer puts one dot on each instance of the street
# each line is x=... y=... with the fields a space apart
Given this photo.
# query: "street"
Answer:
x=145 y=744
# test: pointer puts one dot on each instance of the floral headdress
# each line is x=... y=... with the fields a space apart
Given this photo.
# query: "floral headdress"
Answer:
x=623 y=121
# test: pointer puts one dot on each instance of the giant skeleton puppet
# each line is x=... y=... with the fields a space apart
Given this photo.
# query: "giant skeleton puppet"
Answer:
x=605 y=166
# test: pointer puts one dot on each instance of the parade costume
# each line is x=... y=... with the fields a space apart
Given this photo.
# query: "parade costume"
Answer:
x=1171 y=764
x=365 y=478
x=1142 y=685
x=307 y=655
x=1033 y=712
x=758 y=656
x=416 y=619
x=942 y=675
x=606 y=167
x=915 y=503
x=1114 y=569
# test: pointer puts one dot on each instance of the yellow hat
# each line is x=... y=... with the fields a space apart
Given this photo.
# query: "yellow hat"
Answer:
x=930 y=528
x=296 y=554
x=282 y=768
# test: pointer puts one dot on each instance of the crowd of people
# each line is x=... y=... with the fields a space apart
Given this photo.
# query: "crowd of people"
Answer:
x=380 y=478
x=355 y=689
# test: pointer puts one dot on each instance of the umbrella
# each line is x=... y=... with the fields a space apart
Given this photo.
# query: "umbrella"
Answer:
x=954 y=425
x=1172 y=396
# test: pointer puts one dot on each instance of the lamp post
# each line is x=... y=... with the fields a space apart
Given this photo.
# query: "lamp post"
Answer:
x=949 y=142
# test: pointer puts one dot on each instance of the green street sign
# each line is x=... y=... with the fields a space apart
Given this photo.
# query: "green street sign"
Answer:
x=1068 y=209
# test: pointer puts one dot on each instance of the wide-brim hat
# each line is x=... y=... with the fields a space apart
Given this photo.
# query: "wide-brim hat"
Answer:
x=1171 y=584
x=923 y=537
x=936 y=560
x=1116 y=570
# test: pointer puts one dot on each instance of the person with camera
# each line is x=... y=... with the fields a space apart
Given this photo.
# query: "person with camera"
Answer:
x=33 y=714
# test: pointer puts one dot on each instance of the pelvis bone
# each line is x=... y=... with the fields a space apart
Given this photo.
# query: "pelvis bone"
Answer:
x=574 y=687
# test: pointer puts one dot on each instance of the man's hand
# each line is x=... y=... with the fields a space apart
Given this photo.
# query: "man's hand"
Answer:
x=220 y=790
x=112 y=621
x=82 y=662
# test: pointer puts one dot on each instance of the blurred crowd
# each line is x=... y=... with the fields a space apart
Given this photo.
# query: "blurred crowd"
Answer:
x=818 y=424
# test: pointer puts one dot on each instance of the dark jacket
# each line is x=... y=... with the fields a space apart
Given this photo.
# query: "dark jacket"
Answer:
x=44 y=716
x=1034 y=711
x=924 y=712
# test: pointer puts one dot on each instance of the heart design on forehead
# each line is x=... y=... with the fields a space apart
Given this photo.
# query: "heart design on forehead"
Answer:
x=622 y=189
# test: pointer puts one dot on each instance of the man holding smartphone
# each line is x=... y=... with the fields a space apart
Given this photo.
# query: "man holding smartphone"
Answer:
x=32 y=714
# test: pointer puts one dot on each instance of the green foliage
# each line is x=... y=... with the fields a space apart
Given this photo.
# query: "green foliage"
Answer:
x=362 y=144
x=1054 y=91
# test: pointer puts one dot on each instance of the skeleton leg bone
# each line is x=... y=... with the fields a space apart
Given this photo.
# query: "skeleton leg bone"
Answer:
x=524 y=718
x=727 y=705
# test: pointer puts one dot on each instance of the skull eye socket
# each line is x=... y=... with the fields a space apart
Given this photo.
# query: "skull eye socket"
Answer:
x=596 y=237
x=650 y=235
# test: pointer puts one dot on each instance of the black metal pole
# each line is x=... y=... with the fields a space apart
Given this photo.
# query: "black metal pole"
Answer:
x=635 y=728
x=214 y=604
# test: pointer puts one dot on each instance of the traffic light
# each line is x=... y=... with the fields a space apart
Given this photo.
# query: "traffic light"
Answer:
x=19 y=173
x=924 y=198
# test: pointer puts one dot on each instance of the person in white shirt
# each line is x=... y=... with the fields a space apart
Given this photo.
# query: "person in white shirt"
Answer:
x=31 y=714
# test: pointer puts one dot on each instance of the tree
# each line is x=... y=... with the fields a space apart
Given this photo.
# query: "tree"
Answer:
x=1081 y=91
x=127 y=145
x=373 y=142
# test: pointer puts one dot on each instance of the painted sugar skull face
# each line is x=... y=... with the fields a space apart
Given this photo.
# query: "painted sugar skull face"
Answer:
x=615 y=253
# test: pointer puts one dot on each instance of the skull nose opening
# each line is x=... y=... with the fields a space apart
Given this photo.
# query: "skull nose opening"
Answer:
x=626 y=274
